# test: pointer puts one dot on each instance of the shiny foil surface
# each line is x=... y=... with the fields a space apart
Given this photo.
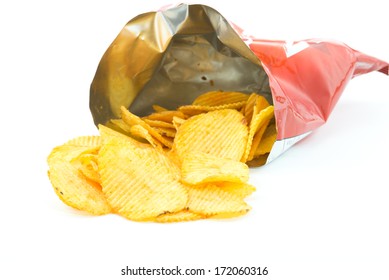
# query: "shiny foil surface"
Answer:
x=169 y=58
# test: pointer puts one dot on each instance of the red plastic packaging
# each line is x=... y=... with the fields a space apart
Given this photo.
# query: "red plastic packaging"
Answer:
x=307 y=84
x=306 y=79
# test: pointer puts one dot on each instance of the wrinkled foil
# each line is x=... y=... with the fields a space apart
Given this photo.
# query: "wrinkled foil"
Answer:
x=171 y=56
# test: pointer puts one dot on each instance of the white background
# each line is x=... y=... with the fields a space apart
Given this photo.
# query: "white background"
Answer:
x=320 y=212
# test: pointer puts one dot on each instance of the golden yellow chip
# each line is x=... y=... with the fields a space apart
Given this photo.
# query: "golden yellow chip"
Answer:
x=198 y=168
x=177 y=122
x=261 y=103
x=73 y=188
x=169 y=140
x=242 y=190
x=255 y=100
x=213 y=201
x=140 y=182
x=106 y=133
x=266 y=115
x=66 y=153
x=119 y=125
x=164 y=131
x=158 y=108
x=158 y=123
x=181 y=216
x=86 y=163
x=221 y=133
x=132 y=119
x=267 y=141
x=165 y=116
x=140 y=132
x=85 y=141
x=216 y=98
x=259 y=119
x=192 y=110
x=70 y=182
x=75 y=147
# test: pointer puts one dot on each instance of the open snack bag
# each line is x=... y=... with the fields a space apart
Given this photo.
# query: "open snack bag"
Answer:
x=185 y=103
x=170 y=57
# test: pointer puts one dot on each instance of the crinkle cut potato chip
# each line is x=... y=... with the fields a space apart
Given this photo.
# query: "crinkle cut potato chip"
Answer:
x=259 y=121
x=242 y=190
x=211 y=200
x=179 y=165
x=198 y=168
x=142 y=133
x=265 y=117
x=85 y=141
x=180 y=216
x=267 y=141
x=217 y=98
x=131 y=119
x=73 y=185
x=139 y=181
x=221 y=133
x=257 y=101
x=192 y=110
x=86 y=163
x=165 y=116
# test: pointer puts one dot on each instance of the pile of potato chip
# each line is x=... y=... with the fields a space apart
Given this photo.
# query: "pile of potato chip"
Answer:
x=172 y=165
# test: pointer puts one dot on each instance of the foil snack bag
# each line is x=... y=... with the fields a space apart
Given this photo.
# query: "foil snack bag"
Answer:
x=170 y=57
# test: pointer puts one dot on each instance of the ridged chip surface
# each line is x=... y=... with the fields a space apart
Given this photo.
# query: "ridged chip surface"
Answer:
x=221 y=133
x=139 y=181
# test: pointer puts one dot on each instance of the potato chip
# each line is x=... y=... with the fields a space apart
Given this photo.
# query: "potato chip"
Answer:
x=212 y=200
x=86 y=163
x=255 y=100
x=216 y=98
x=192 y=110
x=75 y=147
x=140 y=182
x=72 y=184
x=158 y=123
x=222 y=133
x=166 y=116
x=267 y=141
x=181 y=216
x=164 y=131
x=169 y=140
x=66 y=153
x=120 y=126
x=142 y=133
x=107 y=133
x=73 y=188
x=158 y=108
x=261 y=103
x=242 y=190
x=259 y=118
x=266 y=115
x=177 y=122
x=132 y=119
x=173 y=157
x=198 y=168
x=85 y=141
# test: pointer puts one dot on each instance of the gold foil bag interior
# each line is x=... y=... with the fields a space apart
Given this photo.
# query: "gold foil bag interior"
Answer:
x=170 y=57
